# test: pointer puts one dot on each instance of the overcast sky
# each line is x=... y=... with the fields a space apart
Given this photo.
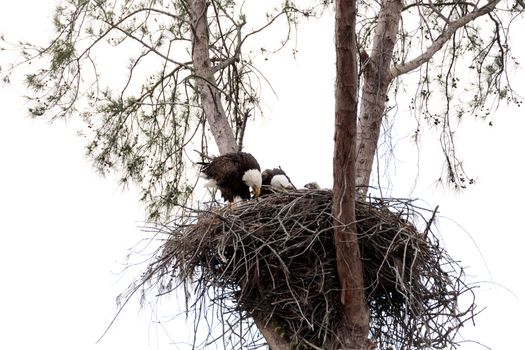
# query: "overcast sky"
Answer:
x=66 y=231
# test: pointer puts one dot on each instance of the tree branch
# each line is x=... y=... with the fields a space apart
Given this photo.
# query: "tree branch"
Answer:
x=376 y=79
x=442 y=4
x=205 y=81
x=442 y=39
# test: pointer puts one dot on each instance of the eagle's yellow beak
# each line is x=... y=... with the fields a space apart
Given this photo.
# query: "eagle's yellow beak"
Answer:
x=256 y=191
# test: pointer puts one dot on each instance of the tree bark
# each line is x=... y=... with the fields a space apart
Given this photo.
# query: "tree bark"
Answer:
x=354 y=331
x=206 y=84
x=376 y=79
x=273 y=339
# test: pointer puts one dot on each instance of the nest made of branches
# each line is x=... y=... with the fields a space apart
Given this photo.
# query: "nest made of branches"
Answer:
x=274 y=260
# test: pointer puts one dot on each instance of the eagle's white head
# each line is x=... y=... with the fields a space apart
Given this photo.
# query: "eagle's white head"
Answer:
x=281 y=181
x=253 y=178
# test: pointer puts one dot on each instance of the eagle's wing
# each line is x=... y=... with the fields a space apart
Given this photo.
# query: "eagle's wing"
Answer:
x=224 y=168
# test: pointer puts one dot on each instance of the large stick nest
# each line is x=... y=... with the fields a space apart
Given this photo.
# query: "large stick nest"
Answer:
x=274 y=260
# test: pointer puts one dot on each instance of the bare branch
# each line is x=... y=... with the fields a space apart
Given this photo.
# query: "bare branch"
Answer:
x=442 y=39
x=442 y=4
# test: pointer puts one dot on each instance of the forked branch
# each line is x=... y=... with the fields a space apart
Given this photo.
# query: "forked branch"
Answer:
x=442 y=39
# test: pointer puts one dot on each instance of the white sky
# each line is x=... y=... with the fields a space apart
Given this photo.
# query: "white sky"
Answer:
x=66 y=231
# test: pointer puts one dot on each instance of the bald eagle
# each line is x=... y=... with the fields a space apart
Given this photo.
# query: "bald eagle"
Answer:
x=275 y=179
x=233 y=174
x=312 y=186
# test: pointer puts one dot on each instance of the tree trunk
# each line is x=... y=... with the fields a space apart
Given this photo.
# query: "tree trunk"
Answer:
x=376 y=79
x=205 y=80
x=273 y=339
x=354 y=331
x=216 y=117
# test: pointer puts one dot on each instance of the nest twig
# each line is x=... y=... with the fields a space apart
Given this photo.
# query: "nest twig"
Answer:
x=274 y=260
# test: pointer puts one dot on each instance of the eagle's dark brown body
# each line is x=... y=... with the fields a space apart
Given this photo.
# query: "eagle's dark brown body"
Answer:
x=229 y=172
